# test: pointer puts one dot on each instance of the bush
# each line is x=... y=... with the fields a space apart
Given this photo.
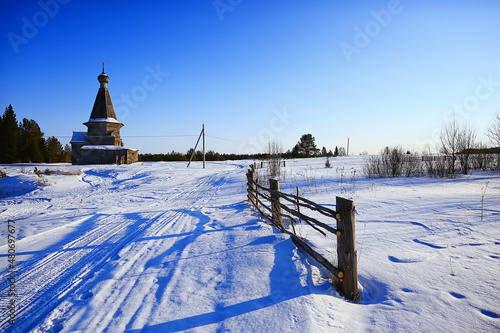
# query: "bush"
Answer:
x=327 y=163
x=373 y=167
x=412 y=165
x=38 y=173
x=393 y=163
x=41 y=179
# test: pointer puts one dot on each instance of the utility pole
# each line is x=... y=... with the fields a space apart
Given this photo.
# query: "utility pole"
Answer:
x=347 y=154
x=194 y=150
x=203 y=131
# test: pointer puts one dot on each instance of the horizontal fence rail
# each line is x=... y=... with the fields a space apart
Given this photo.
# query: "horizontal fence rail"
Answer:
x=267 y=201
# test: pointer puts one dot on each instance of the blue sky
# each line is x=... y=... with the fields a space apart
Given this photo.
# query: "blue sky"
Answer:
x=377 y=72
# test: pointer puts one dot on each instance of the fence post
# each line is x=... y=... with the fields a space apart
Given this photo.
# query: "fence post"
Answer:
x=256 y=190
x=346 y=249
x=251 y=185
x=274 y=185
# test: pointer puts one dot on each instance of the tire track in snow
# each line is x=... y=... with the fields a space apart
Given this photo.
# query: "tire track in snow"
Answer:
x=45 y=280
x=49 y=277
x=115 y=287
x=119 y=294
x=196 y=193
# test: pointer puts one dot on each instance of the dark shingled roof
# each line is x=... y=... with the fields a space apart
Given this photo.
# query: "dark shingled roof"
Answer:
x=78 y=137
x=103 y=107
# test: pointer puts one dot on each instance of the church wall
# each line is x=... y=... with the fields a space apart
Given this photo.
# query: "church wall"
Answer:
x=132 y=156
x=76 y=157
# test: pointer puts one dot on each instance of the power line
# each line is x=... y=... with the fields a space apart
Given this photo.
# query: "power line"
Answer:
x=174 y=136
x=139 y=136
x=158 y=136
x=245 y=143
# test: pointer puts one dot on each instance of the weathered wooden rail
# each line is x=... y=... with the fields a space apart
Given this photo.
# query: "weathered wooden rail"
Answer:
x=346 y=275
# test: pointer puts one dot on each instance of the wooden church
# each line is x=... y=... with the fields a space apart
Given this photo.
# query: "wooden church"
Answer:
x=101 y=144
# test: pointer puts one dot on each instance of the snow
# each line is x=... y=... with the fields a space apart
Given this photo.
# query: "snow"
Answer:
x=103 y=120
x=159 y=247
x=105 y=147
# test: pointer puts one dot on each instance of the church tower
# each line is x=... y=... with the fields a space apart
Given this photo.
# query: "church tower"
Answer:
x=103 y=127
x=101 y=144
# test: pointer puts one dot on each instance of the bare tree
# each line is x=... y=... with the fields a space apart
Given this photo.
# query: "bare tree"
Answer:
x=449 y=138
x=274 y=152
x=412 y=164
x=481 y=160
x=434 y=165
x=466 y=142
x=457 y=141
x=493 y=131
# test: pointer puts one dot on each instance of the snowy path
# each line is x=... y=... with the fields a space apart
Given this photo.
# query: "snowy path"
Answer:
x=52 y=273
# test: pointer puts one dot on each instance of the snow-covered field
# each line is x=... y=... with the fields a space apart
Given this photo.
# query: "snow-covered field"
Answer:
x=157 y=247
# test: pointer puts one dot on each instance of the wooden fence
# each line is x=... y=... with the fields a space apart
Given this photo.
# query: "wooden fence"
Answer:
x=261 y=164
x=346 y=275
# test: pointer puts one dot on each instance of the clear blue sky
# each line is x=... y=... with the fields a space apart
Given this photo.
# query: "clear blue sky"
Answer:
x=377 y=72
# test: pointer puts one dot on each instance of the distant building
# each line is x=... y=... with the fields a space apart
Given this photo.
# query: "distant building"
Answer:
x=101 y=144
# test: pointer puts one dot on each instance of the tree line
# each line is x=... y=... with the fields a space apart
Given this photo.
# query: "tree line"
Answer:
x=459 y=152
x=305 y=147
x=24 y=142
x=198 y=156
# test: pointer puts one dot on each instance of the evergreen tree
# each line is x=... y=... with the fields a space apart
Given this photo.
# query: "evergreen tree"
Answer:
x=199 y=155
x=189 y=153
x=324 y=152
x=67 y=153
x=9 y=137
x=30 y=142
x=336 y=153
x=55 y=151
x=306 y=147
